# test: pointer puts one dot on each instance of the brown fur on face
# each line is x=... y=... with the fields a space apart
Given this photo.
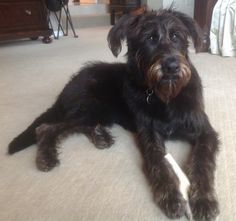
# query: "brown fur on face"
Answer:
x=168 y=89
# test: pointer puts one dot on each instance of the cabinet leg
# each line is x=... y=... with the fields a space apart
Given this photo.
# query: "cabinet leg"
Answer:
x=47 y=40
x=112 y=17
x=34 y=38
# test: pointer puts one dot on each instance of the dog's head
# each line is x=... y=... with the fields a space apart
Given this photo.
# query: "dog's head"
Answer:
x=158 y=46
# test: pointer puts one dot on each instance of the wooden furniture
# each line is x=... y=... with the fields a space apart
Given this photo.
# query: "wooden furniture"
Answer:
x=60 y=6
x=24 y=19
x=202 y=14
x=122 y=6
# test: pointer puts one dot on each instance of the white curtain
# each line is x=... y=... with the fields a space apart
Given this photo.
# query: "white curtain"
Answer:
x=223 y=28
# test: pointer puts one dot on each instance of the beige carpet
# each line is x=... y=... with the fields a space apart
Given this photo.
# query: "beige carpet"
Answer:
x=92 y=184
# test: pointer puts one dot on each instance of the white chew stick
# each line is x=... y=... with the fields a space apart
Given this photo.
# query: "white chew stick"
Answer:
x=184 y=183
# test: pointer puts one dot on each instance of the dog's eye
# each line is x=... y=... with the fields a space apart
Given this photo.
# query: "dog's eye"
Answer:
x=174 y=37
x=152 y=38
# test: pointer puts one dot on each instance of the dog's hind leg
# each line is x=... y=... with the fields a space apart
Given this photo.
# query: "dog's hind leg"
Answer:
x=47 y=141
x=100 y=137
x=49 y=135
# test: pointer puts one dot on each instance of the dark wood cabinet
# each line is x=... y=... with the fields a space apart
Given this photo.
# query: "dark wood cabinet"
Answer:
x=122 y=6
x=24 y=19
x=202 y=14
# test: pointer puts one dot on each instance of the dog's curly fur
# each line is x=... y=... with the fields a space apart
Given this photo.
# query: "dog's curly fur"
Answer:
x=157 y=94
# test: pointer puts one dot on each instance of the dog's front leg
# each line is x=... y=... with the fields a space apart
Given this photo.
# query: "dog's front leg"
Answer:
x=163 y=180
x=201 y=174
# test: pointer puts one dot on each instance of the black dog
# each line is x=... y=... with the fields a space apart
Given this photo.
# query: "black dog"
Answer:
x=157 y=94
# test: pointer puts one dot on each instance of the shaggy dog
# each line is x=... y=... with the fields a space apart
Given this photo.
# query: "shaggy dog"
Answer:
x=157 y=94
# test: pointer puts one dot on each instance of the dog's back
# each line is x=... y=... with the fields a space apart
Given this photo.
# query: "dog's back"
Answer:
x=94 y=95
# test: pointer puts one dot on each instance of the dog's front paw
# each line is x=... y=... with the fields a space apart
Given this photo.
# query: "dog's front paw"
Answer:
x=204 y=208
x=172 y=204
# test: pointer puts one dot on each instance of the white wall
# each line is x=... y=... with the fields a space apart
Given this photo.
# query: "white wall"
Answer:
x=154 y=4
x=186 y=6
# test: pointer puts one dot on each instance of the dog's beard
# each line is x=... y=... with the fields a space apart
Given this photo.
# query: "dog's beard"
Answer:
x=167 y=88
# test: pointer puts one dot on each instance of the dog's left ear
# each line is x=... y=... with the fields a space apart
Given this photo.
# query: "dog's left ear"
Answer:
x=119 y=32
x=192 y=27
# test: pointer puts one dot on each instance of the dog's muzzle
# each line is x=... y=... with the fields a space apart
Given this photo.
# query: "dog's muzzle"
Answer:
x=167 y=76
x=171 y=67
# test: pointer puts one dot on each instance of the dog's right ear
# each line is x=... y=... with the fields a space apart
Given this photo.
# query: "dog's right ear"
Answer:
x=118 y=33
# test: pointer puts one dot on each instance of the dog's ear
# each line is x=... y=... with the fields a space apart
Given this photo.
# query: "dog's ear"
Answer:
x=192 y=27
x=119 y=31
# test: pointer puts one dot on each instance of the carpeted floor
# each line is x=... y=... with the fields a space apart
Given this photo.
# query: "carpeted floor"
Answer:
x=92 y=184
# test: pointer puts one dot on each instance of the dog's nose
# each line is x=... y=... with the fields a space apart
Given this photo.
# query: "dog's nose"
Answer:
x=170 y=65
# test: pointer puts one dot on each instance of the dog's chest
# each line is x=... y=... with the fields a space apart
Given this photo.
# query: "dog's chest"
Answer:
x=166 y=129
x=167 y=121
